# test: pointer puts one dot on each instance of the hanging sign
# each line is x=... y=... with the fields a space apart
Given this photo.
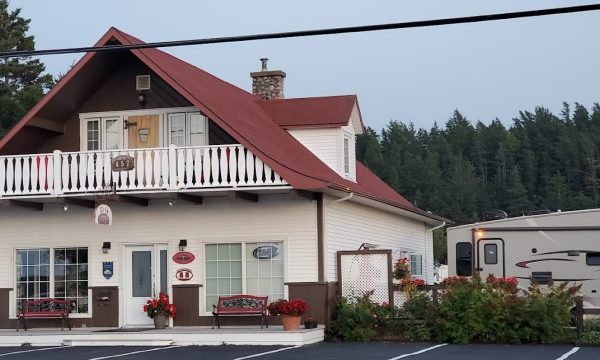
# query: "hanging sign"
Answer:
x=103 y=215
x=265 y=252
x=122 y=163
x=107 y=269
x=183 y=257
x=184 y=274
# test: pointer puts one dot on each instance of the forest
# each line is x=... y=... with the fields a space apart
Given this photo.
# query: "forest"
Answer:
x=465 y=171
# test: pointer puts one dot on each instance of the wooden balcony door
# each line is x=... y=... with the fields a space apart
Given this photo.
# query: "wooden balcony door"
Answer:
x=143 y=131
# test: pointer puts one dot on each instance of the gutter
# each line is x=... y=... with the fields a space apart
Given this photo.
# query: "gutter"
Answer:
x=343 y=199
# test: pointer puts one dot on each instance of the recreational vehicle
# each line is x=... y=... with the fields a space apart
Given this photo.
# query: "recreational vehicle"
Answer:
x=559 y=246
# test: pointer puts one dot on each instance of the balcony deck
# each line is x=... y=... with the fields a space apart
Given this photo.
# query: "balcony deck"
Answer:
x=156 y=170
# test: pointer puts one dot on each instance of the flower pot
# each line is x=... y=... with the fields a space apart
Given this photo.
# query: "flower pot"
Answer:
x=290 y=322
x=310 y=324
x=160 y=321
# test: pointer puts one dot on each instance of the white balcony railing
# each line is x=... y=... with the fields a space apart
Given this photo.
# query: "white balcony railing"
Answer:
x=172 y=168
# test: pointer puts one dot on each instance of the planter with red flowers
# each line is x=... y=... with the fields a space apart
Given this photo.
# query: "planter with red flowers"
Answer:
x=159 y=309
x=290 y=312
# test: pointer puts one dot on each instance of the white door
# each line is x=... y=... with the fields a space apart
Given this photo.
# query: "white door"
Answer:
x=145 y=276
x=490 y=257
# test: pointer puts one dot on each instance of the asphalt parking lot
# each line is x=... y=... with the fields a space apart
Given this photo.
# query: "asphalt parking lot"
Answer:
x=345 y=351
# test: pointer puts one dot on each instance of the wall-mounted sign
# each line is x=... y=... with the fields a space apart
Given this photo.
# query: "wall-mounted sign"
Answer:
x=184 y=274
x=122 y=163
x=103 y=215
x=183 y=257
x=265 y=252
x=107 y=269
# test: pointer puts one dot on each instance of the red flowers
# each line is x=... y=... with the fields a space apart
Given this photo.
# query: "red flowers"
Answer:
x=402 y=268
x=293 y=307
x=160 y=306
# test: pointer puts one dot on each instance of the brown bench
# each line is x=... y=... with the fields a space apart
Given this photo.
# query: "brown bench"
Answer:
x=45 y=309
x=241 y=305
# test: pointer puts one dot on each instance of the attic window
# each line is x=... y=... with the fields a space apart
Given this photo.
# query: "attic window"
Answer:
x=142 y=82
x=346 y=156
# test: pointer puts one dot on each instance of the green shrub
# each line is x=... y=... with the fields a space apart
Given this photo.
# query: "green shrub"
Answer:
x=354 y=320
x=589 y=338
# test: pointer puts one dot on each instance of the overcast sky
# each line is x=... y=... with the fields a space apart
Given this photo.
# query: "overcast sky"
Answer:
x=486 y=70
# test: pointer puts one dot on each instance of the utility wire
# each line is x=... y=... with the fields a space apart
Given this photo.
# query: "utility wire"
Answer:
x=316 y=32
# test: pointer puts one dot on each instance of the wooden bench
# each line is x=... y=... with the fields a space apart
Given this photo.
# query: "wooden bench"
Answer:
x=241 y=305
x=45 y=309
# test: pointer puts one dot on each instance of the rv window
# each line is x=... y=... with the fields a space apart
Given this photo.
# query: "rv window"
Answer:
x=593 y=258
x=491 y=253
x=464 y=256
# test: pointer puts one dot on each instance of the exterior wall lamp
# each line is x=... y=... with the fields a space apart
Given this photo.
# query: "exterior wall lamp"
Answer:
x=182 y=244
x=105 y=247
x=141 y=98
x=143 y=133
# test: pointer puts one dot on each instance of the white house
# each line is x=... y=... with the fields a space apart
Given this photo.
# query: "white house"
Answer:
x=216 y=191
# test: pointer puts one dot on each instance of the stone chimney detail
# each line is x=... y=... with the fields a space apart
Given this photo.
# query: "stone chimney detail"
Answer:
x=267 y=84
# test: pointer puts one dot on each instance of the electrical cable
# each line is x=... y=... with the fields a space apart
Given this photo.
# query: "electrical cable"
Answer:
x=315 y=32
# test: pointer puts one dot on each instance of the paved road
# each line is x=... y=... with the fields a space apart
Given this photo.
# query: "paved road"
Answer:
x=326 y=351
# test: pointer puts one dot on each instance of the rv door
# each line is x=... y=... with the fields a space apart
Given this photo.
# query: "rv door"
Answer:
x=490 y=257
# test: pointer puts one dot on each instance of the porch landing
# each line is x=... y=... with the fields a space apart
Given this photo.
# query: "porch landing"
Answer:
x=182 y=336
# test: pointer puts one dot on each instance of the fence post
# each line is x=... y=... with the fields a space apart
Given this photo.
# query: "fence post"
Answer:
x=579 y=315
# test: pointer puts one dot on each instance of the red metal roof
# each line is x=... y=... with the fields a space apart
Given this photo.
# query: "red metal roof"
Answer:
x=326 y=111
x=247 y=119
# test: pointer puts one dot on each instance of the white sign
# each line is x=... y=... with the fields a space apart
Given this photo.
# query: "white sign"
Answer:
x=103 y=215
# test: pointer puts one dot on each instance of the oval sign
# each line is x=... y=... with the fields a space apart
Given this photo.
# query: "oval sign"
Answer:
x=265 y=252
x=183 y=257
x=184 y=274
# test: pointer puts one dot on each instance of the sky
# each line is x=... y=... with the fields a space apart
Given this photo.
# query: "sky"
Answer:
x=485 y=70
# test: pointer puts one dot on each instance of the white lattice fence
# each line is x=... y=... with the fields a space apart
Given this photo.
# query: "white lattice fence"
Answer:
x=360 y=272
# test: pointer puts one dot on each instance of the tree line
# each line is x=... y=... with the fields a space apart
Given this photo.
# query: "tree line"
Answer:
x=465 y=170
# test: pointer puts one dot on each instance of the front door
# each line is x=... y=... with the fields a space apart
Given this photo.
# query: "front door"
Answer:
x=490 y=257
x=143 y=131
x=145 y=276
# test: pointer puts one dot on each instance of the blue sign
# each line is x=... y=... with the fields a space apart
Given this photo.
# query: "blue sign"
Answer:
x=107 y=269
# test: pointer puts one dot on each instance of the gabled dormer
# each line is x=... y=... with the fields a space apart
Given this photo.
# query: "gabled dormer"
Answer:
x=327 y=126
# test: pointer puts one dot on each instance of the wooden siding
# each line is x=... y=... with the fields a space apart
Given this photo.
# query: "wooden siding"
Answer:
x=273 y=218
x=348 y=225
x=324 y=143
x=117 y=92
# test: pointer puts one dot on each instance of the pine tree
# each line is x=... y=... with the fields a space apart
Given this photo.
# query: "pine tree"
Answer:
x=22 y=82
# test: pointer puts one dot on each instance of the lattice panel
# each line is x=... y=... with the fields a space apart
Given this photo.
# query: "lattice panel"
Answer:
x=361 y=273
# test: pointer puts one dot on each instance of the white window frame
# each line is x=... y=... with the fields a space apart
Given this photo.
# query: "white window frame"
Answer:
x=187 y=129
x=101 y=131
x=346 y=154
x=243 y=244
x=13 y=296
x=412 y=258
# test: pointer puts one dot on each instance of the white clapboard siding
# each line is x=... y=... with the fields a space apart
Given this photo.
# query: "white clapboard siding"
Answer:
x=324 y=143
x=274 y=218
x=348 y=225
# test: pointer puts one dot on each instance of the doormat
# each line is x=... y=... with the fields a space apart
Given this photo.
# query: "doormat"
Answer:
x=125 y=330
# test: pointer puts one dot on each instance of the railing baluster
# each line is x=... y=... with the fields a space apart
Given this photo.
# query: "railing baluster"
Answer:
x=189 y=171
x=2 y=175
x=180 y=168
x=27 y=175
x=18 y=174
x=205 y=177
x=250 y=167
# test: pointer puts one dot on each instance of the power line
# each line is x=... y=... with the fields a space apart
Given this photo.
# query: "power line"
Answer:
x=316 y=32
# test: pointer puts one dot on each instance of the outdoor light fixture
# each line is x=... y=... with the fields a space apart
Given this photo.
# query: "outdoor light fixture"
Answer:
x=143 y=132
x=105 y=247
x=172 y=202
x=367 y=246
x=66 y=207
x=182 y=244
x=141 y=98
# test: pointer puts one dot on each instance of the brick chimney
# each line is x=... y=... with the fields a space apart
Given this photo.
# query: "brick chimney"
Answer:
x=267 y=84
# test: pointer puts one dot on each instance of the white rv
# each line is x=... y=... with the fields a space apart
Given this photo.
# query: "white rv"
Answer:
x=560 y=246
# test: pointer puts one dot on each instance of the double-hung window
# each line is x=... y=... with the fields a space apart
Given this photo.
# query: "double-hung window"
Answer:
x=416 y=265
x=53 y=273
x=244 y=268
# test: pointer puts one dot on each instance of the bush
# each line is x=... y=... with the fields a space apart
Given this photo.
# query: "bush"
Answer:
x=354 y=320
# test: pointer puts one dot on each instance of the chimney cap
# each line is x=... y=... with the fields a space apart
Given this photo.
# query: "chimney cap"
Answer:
x=264 y=63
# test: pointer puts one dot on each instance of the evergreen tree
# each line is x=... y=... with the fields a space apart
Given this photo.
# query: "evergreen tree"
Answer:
x=22 y=80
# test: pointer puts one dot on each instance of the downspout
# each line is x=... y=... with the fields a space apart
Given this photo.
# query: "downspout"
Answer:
x=431 y=231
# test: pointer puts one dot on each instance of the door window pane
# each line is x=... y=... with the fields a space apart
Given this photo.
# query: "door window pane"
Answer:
x=196 y=130
x=490 y=254
x=163 y=271
x=112 y=134
x=141 y=270
x=177 y=129
x=93 y=134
